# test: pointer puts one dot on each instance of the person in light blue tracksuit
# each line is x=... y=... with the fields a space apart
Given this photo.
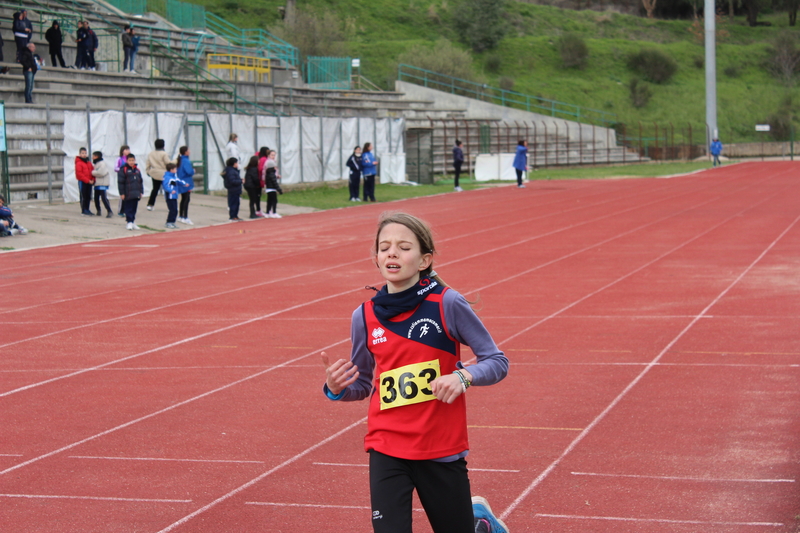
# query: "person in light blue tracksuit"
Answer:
x=521 y=161
x=369 y=164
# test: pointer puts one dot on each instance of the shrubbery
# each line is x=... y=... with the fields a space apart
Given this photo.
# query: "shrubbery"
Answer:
x=783 y=58
x=640 y=92
x=573 y=51
x=481 y=24
x=443 y=57
x=653 y=65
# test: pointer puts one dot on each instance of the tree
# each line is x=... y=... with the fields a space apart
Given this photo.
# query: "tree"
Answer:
x=752 y=7
x=791 y=8
x=481 y=24
x=650 y=7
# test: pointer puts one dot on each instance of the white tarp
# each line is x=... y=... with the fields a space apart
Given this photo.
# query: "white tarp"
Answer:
x=310 y=149
x=496 y=167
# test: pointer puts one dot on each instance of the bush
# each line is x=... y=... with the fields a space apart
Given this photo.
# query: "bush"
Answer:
x=732 y=71
x=780 y=122
x=699 y=61
x=493 y=63
x=573 y=51
x=506 y=83
x=315 y=32
x=481 y=24
x=640 y=92
x=783 y=58
x=653 y=65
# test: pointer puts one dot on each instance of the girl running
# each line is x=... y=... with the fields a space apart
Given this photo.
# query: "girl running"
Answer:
x=406 y=359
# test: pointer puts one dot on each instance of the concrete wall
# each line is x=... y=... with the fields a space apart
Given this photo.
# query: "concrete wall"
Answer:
x=769 y=149
x=477 y=110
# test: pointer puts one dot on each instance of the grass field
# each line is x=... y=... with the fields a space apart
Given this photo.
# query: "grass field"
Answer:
x=336 y=196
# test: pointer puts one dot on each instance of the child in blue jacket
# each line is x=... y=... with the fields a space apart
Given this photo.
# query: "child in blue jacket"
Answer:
x=171 y=184
x=370 y=165
x=186 y=175
x=8 y=226
x=233 y=182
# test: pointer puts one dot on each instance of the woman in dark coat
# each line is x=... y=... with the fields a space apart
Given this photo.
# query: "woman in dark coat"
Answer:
x=55 y=39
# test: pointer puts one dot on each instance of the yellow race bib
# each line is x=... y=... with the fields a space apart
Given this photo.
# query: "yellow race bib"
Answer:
x=408 y=384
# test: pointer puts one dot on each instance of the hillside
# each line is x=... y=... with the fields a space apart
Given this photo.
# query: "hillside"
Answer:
x=379 y=31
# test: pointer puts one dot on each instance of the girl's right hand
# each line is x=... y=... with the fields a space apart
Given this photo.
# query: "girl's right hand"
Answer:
x=340 y=374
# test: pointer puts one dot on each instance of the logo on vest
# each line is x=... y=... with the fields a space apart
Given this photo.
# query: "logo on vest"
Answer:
x=377 y=336
x=421 y=325
x=422 y=291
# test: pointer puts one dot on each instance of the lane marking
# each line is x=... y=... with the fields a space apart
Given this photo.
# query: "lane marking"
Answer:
x=738 y=353
x=160 y=411
x=162 y=459
x=120 y=245
x=659 y=520
x=255 y=480
x=680 y=478
x=102 y=498
x=527 y=427
x=10 y=455
x=536 y=482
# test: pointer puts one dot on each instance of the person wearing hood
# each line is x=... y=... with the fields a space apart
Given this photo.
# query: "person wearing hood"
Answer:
x=716 y=150
x=83 y=173
x=101 y=182
x=521 y=161
x=55 y=39
x=233 y=182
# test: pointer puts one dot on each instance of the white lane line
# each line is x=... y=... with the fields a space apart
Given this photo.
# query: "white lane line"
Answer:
x=161 y=411
x=163 y=459
x=659 y=520
x=120 y=245
x=269 y=472
x=501 y=470
x=10 y=455
x=541 y=477
x=683 y=478
x=102 y=498
x=314 y=505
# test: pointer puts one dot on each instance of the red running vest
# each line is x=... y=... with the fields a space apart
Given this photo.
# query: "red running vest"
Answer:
x=407 y=349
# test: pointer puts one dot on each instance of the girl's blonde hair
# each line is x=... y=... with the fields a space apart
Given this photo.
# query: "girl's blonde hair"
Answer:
x=420 y=229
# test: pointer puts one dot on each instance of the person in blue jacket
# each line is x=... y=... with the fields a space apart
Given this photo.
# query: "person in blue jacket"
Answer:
x=369 y=165
x=716 y=149
x=354 y=164
x=458 y=160
x=233 y=182
x=186 y=175
x=521 y=161
x=170 y=184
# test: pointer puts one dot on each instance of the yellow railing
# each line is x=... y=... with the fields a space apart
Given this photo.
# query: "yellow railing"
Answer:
x=235 y=64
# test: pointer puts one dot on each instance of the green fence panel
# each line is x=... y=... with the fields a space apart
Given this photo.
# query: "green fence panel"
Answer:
x=329 y=72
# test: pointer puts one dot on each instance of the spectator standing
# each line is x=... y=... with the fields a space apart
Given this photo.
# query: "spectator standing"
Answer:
x=185 y=172
x=23 y=32
x=233 y=182
x=252 y=184
x=354 y=164
x=102 y=181
x=171 y=185
x=127 y=46
x=458 y=160
x=716 y=150
x=81 y=54
x=521 y=161
x=232 y=148
x=369 y=164
x=124 y=150
x=271 y=177
x=55 y=39
x=131 y=188
x=156 y=166
x=8 y=226
x=263 y=155
x=134 y=49
x=92 y=44
x=29 y=69
x=83 y=173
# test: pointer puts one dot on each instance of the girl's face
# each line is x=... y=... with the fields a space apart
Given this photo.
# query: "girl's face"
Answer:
x=125 y=152
x=400 y=258
x=273 y=155
x=188 y=153
x=358 y=151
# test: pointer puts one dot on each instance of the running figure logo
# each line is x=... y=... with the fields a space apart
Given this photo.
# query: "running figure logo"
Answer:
x=423 y=330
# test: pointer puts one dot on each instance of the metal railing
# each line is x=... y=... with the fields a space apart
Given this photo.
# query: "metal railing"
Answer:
x=260 y=67
x=271 y=45
x=329 y=72
x=496 y=95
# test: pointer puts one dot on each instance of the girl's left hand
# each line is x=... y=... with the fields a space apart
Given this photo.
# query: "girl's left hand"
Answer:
x=447 y=388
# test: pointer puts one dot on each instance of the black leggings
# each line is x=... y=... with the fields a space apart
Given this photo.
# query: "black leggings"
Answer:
x=457 y=166
x=183 y=209
x=272 y=202
x=98 y=194
x=519 y=176
x=255 y=200
x=443 y=489
x=154 y=193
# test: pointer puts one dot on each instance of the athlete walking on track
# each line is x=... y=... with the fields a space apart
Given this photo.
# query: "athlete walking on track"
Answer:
x=405 y=358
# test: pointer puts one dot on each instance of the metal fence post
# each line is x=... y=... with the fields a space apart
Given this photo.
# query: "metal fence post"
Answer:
x=49 y=155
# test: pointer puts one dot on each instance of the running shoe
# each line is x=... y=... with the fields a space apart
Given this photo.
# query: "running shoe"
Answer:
x=482 y=526
x=481 y=510
x=170 y=225
x=130 y=226
x=149 y=207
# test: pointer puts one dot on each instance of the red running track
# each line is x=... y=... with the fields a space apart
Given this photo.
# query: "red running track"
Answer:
x=172 y=382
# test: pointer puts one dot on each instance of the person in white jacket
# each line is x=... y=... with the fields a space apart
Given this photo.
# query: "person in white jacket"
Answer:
x=232 y=148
